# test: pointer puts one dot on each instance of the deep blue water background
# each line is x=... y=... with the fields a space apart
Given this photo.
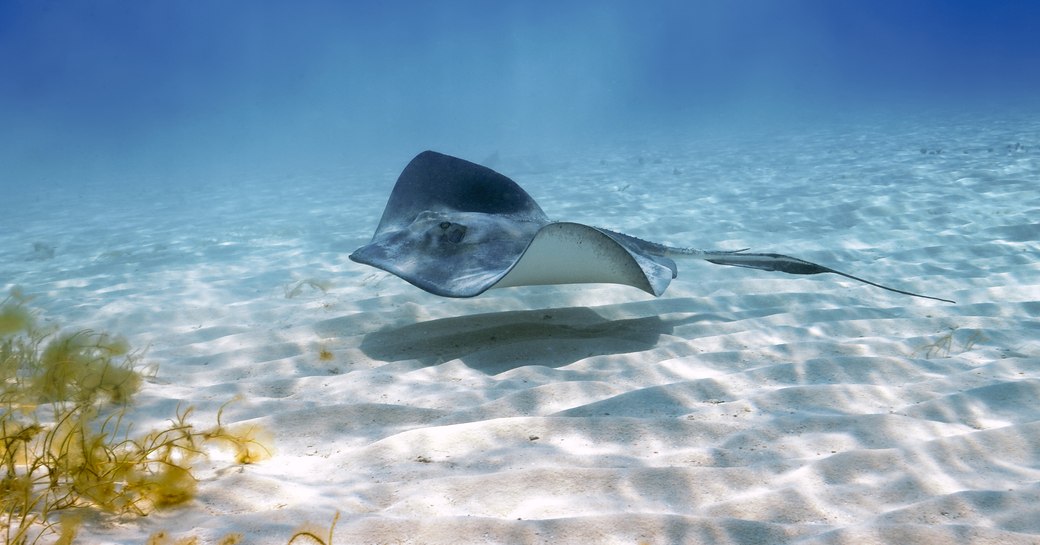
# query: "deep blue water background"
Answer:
x=157 y=91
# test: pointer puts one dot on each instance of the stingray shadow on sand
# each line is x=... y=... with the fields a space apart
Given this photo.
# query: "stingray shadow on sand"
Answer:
x=497 y=342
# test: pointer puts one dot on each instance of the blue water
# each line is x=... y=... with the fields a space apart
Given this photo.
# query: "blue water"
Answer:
x=171 y=92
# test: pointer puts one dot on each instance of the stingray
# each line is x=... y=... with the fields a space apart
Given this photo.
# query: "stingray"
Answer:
x=457 y=229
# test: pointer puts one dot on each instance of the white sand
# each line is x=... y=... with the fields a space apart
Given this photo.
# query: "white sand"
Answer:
x=740 y=407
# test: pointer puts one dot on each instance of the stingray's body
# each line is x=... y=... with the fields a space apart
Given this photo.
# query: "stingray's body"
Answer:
x=458 y=229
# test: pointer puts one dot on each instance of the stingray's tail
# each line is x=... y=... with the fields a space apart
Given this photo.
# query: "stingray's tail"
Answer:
x=790 y=265
x=740 y=258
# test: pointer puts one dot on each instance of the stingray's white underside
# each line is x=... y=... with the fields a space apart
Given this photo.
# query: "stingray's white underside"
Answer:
x=572 y=253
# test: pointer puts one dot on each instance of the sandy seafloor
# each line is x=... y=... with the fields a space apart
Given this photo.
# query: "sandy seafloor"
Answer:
x=740 y=407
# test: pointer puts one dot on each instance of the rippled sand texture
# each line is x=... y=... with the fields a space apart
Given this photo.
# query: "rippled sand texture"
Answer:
x=740 y=407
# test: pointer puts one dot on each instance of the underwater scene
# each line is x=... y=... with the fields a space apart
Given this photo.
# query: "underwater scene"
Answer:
x=519 y=272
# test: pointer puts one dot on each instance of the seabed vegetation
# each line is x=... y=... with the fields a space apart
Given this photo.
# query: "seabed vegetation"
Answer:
x=68 y=451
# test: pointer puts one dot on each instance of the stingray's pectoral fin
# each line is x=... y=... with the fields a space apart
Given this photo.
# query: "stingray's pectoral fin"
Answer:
x=793 y=265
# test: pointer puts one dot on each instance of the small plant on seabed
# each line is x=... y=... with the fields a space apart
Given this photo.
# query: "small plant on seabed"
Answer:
x=943 y=345
x=65 y=449
x=162 y=538
x=310 y=535
x=296 y=288
x=307 y=534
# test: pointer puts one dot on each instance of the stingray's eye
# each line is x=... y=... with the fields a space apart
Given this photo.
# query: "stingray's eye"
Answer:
x=453 y=232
